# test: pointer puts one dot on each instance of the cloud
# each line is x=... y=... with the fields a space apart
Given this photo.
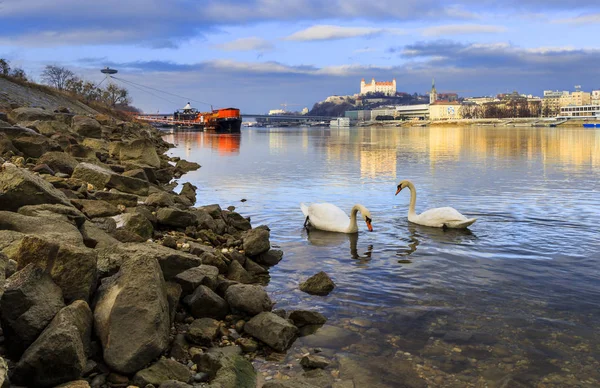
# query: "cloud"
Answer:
x=462 y=29
x=330 y=32
x=247 y=44
x=592 y=18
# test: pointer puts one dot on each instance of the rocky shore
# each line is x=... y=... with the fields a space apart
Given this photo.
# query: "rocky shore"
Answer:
x=112 y=279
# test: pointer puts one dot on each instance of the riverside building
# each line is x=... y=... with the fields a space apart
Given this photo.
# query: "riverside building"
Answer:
x=386 y=87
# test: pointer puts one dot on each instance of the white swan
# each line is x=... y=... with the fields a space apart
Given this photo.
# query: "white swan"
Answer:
x=442 y=217
x=328 y=217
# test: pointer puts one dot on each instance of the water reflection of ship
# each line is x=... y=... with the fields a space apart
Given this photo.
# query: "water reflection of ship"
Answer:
x=225 y=144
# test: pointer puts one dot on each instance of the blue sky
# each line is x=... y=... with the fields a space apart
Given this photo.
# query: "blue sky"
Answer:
x=258 y=54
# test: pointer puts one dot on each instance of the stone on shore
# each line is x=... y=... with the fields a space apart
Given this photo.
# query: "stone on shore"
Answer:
x=189 y=191
x=136 y=223
x=313 y=361
x=192 y=278
x=273 y=330
x=4 y=380
x=304 y=317
x=319 y=284
x=248 y=298
x=237 y=221
x=30 y=301
x=86 y=127
x=203 y=331
x=94 y=237
x=19 y=187
x=205 y=303
x=117 y=198
x=160 y=199
x=35 y=145
x=140 y=151
x=185 y=166
x=270 y=258
x=29 y=114
x=227 y=368
x=238 y=273
x=95 y=208
x=171 y=217
x=56 y=211
x=101 y=177
x=160 y=372
x=131 y=317
x=59 y=353
x=72 y=268
x=51 y=228
x=256 y=241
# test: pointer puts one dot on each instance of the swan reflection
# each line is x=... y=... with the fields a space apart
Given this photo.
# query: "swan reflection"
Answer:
x=418 y=234
x=322 y=238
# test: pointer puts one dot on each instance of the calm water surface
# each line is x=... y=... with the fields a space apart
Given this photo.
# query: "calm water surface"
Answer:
x=514 y=301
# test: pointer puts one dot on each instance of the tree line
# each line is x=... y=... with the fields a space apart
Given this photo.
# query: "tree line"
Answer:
x=501 y=110
x=12 y=72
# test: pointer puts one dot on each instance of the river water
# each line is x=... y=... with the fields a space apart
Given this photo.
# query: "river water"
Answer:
x=514 y=301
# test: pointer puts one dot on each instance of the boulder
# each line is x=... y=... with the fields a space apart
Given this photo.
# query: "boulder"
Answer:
x=101 y=177
x=319 y=284
x=52 y=228
x=235 y=372
x=135 y=223
x=172 y=262
x=204 y=303
x=131 y=317
x=248 y=298
x=98 y=145
x=254 y=268
x=35 y=146
x=256 y=241
x=72 y=268
x=86 y=127
x=94 y=237
x=203 y=331
x=6 y=145
x=140 y=151
x=30 y=301
x=137 y=173
x=192 y=278
x=185 y=166
x=237 y=273
x=171 y=217
x=189 y=191
x=49 y=128
x=312 y=361
x=43 y=169
x=304 y=317
x=273 y=330
x=59 y=212
x=204 y=220
x=237 y=221
x=29 y=114
x=94 y=208
x=59 y=162
x=160 y=372
x=173 y=295
x=160 y=199
x=20 y=187
x=117 y=198
x=82 y=152
x=59 y=353
x=4 y=381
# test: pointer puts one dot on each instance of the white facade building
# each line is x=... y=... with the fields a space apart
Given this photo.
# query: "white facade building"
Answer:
x=386 y=87
x=595 y=97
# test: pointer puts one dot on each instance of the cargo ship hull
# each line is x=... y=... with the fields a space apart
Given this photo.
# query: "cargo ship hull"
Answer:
x=228 y=125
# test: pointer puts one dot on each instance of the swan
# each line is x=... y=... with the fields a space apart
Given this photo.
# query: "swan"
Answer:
x=442 y=217
x=328 y=217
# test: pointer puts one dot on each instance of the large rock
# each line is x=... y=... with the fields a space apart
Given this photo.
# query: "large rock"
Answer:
x=135 y=223
x=101 y=177
x=30 y=301
x=29 y=114
x=172 y=262
x=87 y=126
x=140 y=151
x=59 y=353
x=185 y=166
x=6 y=145
x=192 y=278
x=237 y=221
x=319 y=284
x=161 y=371
x=116 y=198
x=205 y=303
x=59 y=162
x=94 y=237
x=176 y=218
x=49 y=128
x=56 y=211
x=95 y=208
x=256 y=241
x=248 y=298
x=19 y=187
x=35 y=146
x=273 y=330
x=203 y=331
x=4 y=381
x=304 y=317
x=189 y=191
x=131 y=317
x=52 y=228
x=234 y=372
x=238 y=273
x=160 y=199
x=72 y=268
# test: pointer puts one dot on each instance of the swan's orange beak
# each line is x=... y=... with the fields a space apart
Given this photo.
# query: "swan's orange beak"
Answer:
x=369 y=226
x=399 y=190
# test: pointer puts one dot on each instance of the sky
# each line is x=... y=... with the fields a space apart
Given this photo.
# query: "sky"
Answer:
x=259 y=54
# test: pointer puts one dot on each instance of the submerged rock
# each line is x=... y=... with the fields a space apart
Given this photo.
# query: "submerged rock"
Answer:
x=319 y=284
x=273 y=330
x=303 y=318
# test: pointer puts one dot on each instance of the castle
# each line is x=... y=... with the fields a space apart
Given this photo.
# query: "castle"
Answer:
x=386 y=87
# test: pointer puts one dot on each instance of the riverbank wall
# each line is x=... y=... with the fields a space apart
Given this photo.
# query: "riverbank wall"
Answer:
x=112 y=278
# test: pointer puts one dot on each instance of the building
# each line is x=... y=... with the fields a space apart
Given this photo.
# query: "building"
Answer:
x=433 y=92
x=420 y=111
x=385 y=87
x=584 y=111
x=577 y=98
x=596 y=97
x=480 y=100
x=551 y=102
x=445 y=110
x=358 y=115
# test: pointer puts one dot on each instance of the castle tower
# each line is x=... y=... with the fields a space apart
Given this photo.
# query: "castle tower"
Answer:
x=433 y=93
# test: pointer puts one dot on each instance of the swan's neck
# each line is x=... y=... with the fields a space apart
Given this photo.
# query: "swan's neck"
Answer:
x=353 y=227
x=413 y=199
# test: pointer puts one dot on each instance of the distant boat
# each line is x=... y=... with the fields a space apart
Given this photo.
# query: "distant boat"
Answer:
x=340 y=122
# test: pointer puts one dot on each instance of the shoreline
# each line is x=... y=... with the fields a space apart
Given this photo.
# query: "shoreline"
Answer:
x=99 y=248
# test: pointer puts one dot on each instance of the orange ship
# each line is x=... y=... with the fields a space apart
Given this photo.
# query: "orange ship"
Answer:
x=226 y=120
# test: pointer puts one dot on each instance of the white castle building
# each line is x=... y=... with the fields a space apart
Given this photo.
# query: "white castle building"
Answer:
x=386 y=87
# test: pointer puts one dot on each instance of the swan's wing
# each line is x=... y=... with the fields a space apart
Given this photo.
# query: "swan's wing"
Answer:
x=326 y=216
x=304 y=209
x=440 y=216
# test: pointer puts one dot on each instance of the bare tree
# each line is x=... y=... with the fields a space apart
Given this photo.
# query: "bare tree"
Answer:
x=114 y=95
x=4 y=67
x=56 y=76
x=19 y=74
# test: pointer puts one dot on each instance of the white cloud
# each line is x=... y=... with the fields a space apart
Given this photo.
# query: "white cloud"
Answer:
x=462 y=29
x=331 y=32
x=247 y=44
x=592 y=18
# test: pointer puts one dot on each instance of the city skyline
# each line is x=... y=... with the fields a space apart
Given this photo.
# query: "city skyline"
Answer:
x=256 y=55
